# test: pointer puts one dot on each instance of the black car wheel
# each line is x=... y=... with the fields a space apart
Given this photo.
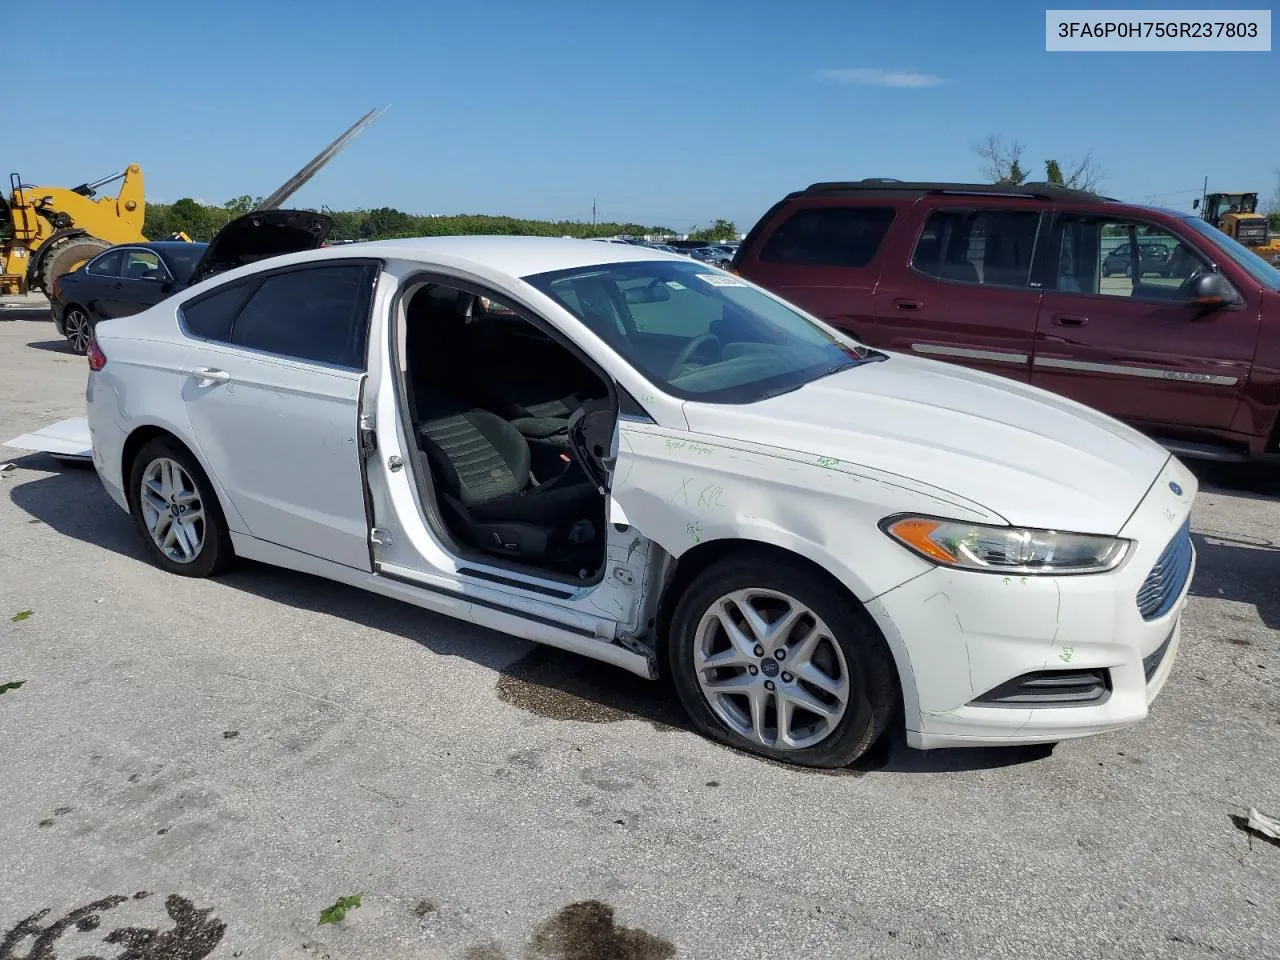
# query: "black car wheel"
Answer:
x=77 y=327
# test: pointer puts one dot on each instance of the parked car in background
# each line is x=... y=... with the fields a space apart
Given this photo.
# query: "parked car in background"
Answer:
x=710 y=254
x=640 y=458
x=1154 y=260
x=128 y=279
x=120 y=281
x=1011 y=280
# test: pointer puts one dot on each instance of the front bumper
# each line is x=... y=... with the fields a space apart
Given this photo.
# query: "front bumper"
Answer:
x=965 y=634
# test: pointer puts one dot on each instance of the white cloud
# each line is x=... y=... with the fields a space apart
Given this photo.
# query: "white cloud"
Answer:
x=880 y=77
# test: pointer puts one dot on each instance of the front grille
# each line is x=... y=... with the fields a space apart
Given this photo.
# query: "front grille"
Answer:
x=1164 y=583
x=1050 y=688
x=1151 y=662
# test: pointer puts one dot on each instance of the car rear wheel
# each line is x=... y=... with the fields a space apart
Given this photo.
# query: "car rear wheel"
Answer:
x=176 y=511
x=770 y=660
x=78 y=328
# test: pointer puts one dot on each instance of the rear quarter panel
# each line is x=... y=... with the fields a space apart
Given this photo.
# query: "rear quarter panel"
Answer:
x=141 y=386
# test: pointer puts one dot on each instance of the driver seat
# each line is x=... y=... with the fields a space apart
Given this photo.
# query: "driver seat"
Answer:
x=480 y=464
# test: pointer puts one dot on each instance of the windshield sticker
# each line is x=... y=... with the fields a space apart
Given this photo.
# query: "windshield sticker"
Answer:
x=718 y=281
x=675 y=285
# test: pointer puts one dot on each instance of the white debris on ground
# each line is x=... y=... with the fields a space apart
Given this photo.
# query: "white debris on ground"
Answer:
x=1267 y=826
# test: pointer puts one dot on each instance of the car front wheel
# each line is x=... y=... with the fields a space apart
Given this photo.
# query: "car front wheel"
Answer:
x=176 y=511
x=771 y=660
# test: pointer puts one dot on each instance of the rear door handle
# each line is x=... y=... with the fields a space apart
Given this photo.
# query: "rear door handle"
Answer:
x=118 y=285
x=907 y=304
x=1064 y=320
x=208 y=376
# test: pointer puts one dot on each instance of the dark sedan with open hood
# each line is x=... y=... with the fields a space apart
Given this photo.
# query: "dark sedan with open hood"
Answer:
x=130 y=278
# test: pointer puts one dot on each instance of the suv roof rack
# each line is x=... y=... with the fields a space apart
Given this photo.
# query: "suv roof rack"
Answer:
x=1037 y=191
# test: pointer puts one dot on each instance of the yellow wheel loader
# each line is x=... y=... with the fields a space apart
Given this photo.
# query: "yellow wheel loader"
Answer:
x=48 y=231
x=1236 y=215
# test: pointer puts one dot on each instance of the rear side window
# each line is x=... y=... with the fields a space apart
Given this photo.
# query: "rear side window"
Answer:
x=988 y=247
x=829 y=236
x=107 y=265
x=317 y=314
x=209 y=317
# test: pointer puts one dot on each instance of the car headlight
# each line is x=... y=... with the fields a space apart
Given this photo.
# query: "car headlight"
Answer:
x=1007 y=550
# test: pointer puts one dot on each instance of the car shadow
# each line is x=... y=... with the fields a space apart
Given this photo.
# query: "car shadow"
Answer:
x=1260 y=480
x=29 y=314
x=53 y=346
x=1239 y=569
x=542 y=680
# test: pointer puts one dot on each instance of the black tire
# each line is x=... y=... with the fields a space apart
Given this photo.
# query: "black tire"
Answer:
x=215 y=554
x=873 y=698
x=77 y=327
x=65 y=255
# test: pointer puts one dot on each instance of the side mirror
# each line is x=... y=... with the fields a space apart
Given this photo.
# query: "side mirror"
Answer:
x=166 y=287
x=1211 y=290
x=1195 y=204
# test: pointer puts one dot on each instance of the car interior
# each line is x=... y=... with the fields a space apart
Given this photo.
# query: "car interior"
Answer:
x=1082 y=266
x=491 y=398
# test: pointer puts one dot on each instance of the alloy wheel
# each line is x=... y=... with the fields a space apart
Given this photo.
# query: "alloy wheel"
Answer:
x=771 y=670
x=79 y=331
x=172 y=510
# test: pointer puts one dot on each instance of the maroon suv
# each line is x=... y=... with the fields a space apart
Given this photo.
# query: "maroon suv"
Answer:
x=1015 y=281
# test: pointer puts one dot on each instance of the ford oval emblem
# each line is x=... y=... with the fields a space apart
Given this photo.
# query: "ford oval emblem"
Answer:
x=1177 y=490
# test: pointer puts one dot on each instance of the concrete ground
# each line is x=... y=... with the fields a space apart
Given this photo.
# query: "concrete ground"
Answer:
x=196 y=769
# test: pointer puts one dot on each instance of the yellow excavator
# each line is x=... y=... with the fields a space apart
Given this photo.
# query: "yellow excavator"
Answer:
x=1236 y=215
x=46 y=232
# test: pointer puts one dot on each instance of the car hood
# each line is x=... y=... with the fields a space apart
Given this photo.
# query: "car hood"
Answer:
x=259 y=235
x=1032 y=457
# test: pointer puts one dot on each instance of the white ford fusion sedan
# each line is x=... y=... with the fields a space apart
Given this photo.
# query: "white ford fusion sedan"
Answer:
x=643 y=459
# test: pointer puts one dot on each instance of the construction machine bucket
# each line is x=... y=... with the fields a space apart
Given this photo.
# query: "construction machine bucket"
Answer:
x=295 y=183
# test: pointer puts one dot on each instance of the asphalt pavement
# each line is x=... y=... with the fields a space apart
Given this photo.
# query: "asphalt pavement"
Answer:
x=197 y=769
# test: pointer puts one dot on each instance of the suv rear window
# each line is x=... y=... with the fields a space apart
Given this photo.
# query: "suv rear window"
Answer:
x=829 y=236
x=990 y=247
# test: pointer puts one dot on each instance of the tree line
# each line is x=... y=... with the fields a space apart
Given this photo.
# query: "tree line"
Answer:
x=200 y=222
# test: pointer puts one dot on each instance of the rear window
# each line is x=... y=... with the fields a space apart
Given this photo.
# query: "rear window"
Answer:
x=316 y=314
x=829 y=236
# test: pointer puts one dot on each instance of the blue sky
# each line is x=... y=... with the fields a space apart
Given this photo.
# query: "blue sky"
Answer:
x=667 y=112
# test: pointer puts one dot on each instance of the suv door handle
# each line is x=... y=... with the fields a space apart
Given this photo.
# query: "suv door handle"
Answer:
x=118 y=285
x=1064 y=320
x=907 y=304
x=208 y=376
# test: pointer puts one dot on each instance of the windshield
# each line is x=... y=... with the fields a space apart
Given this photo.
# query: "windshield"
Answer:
x=699 y=333
x=182 y=259
x=1245 y=258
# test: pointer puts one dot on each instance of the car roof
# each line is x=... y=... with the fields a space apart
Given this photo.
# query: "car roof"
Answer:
x=514 y=256
x=161 y=246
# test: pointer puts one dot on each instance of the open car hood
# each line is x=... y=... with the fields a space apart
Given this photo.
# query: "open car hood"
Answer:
x=259 y=235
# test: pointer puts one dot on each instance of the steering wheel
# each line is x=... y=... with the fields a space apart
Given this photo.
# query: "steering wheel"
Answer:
x=690 y=348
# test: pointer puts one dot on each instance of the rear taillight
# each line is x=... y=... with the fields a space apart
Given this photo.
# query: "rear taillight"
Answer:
x=97 y=359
